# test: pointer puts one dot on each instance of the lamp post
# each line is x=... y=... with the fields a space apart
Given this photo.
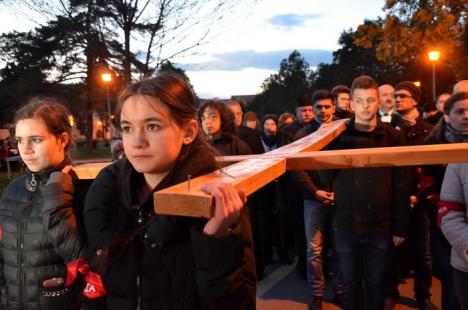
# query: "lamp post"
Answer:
x=434 y=57
x=107 y=78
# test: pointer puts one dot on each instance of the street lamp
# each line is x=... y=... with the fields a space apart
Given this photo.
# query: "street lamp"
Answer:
x=434 y=57
x=107 y=78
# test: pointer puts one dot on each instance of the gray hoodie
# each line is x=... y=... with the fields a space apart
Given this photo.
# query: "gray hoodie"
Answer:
x=455 y=223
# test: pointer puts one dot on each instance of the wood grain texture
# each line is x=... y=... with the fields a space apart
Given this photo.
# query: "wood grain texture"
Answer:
x=247 y=176
x=89 y=171
x=380 y=157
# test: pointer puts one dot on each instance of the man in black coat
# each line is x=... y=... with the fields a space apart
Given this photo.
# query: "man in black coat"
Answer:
x=371 y=204
x=318 y=202
x=292 y=193
x=408 y=120
x=246 y=134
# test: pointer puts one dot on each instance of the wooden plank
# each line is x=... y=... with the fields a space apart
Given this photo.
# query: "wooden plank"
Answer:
x=89 y=170
x=380 y=157
x=315 y=141
x=247 y=176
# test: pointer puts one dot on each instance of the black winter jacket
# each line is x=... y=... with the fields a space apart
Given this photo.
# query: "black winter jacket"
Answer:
x=251 y=137
x=370 y=200
x=164 y=262
x=415 y=135
x=287 y=133
x=39 y=236
x=227 y=145
x=309 y=181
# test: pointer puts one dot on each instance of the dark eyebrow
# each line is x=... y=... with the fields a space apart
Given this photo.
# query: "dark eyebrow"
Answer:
x=146 y=120
x=30 y=137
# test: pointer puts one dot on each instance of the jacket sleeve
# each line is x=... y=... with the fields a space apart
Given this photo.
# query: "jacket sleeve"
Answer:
x=99 y=212
x=225 y=267
x=454 y=224
x=305 y=182
x=58 y=217
x=401 y=202
x=401 y=194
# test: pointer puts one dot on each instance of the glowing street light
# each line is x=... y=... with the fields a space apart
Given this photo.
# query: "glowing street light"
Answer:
x=107 y=78
x=417 y=83
x=434 y=57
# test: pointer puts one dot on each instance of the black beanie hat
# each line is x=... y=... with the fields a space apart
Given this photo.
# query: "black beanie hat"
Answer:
x=411 y=88
x=273 y=117
x=305 y=100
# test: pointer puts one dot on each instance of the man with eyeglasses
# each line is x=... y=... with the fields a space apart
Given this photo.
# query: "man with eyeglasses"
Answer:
x=408 y=120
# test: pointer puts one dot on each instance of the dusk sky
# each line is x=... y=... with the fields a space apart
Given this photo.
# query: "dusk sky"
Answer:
x=250 y=47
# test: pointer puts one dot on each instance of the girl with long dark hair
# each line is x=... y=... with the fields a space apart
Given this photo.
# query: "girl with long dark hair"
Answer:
x=151 y=261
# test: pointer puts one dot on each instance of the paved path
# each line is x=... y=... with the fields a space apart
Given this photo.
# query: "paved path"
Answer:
x=282 y=288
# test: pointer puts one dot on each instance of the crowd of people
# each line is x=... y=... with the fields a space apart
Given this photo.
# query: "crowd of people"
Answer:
x=69 y=244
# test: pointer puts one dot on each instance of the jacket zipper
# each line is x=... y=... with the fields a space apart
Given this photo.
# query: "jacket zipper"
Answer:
x=139 y=292
x=21 y=276
x=22 y=267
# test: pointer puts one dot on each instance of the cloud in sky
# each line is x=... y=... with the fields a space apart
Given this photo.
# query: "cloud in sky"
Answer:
x=238 y=60
x=292 y=20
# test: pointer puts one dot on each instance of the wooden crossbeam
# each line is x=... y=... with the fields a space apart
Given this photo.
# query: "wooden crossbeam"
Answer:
x=314 y=142
x=189 y=200
x=251 y=172
x=380 y=157
x=371 y=157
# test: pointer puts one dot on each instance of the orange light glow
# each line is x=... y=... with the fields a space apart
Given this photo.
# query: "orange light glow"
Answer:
x=434 y=55
x=417 y=83
x=106 y=77
x=71 y=120
x=99 y=123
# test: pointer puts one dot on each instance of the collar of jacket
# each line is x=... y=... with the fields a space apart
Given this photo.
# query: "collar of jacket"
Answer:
x=313 y=126
x=221 y=138
x=42 y=177
x=378 y=130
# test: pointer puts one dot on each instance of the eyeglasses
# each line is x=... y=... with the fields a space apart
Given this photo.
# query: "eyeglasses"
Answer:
x=402 y=96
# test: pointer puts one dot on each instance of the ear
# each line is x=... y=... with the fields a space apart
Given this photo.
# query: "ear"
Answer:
x=351 y=104
x=190 y=132
x=446 y=118
x=64 y=140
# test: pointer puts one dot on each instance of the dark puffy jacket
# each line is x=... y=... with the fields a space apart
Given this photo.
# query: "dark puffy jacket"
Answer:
x=164 y=262
x=38 y=237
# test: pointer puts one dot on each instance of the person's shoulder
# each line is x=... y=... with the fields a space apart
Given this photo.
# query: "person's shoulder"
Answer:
x=395 y=137
x=15 y=189
x=292 y=128
x=245 y=131
x=424 y=124
x=244 y=148
x=113 y=171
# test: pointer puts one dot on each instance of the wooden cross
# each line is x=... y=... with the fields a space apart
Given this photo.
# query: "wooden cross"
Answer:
x=251 y=172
